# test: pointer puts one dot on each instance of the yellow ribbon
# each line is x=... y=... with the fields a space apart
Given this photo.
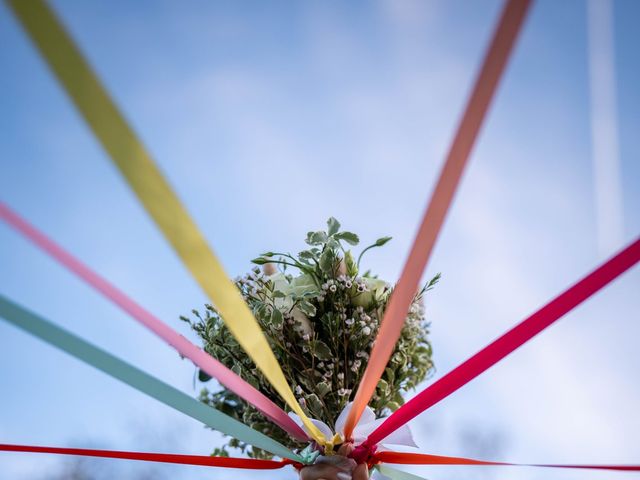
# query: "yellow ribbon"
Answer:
x=146 y=180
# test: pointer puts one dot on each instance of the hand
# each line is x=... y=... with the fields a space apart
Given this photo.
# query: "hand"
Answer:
x=326 y=471
x=336 y=467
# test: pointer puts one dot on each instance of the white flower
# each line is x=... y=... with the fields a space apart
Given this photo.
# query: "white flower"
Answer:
x=366 y=331
x=298 y=389
x=365 y=426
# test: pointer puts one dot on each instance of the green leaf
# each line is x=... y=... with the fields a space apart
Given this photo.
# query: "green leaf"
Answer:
x=316 y=238
x=237 y=369
x=432 y=282
x=333 y=226
x=307 y=255
x=393 y=406
x=352 y=268
x=322 y=351
x=383 y=387
x=203 y=376
x=350 y=238
x=326 y=261
x=390 y=374
x=278 y=294
x=333 y=244
x=276 y=318
x=307 y=308
x=314 y=403
x=397 y=397
x=323 y=389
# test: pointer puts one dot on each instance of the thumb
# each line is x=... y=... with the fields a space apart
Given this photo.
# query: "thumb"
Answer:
x=361 y=472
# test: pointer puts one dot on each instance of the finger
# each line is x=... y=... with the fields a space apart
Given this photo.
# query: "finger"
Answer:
x=361 y=472
x=318 y=472
x=345 y=449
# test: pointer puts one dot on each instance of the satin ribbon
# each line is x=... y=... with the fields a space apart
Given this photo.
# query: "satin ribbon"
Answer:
x=404 y=292
x=395 y=474
x=255 y=464
x=423 y=459
x=200 y=460
x=510 y=341
x=187 y=349
x=136 y=165
x=111 y=365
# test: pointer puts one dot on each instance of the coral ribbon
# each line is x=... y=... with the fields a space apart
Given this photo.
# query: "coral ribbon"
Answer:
x=423 y=459
x=111 y=365
x=201 y=460
x=510 y=341
x=494 y=63
x=136 y=165
x=187 y=349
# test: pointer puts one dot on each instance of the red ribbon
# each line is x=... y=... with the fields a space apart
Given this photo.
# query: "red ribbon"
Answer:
x=201 y=460
x=422 y=459
x=507 y=343
x=251 y=463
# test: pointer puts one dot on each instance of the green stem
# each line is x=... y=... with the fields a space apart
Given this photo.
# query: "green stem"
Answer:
x=362 y=253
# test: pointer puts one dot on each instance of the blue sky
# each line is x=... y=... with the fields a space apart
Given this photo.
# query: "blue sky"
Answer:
x=268 y=118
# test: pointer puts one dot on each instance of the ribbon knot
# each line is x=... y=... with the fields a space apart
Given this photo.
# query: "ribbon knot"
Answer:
x=364 y=453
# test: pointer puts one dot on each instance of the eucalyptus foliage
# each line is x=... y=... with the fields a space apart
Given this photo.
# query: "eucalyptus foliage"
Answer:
x=320 y=316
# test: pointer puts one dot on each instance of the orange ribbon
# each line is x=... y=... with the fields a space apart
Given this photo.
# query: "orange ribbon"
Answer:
x=424 y=459
x=494 y=63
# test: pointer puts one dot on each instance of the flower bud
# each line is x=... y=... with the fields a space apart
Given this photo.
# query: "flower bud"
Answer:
x=269 y=269
x=342 y=267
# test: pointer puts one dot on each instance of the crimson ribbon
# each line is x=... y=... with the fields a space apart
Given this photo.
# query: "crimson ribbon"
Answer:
x=201 y=460
x=423 y=459
x=510 y=341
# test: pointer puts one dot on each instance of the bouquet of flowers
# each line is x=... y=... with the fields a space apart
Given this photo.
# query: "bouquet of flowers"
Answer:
x=320 y=313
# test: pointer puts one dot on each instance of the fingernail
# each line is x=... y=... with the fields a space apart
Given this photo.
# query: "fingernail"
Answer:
x=343 y=476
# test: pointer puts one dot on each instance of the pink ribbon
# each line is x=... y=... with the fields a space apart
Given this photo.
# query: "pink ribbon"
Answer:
x=187 y=349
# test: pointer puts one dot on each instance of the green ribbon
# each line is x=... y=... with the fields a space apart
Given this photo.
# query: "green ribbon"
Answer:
x=396 y=474
x=138 y=379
